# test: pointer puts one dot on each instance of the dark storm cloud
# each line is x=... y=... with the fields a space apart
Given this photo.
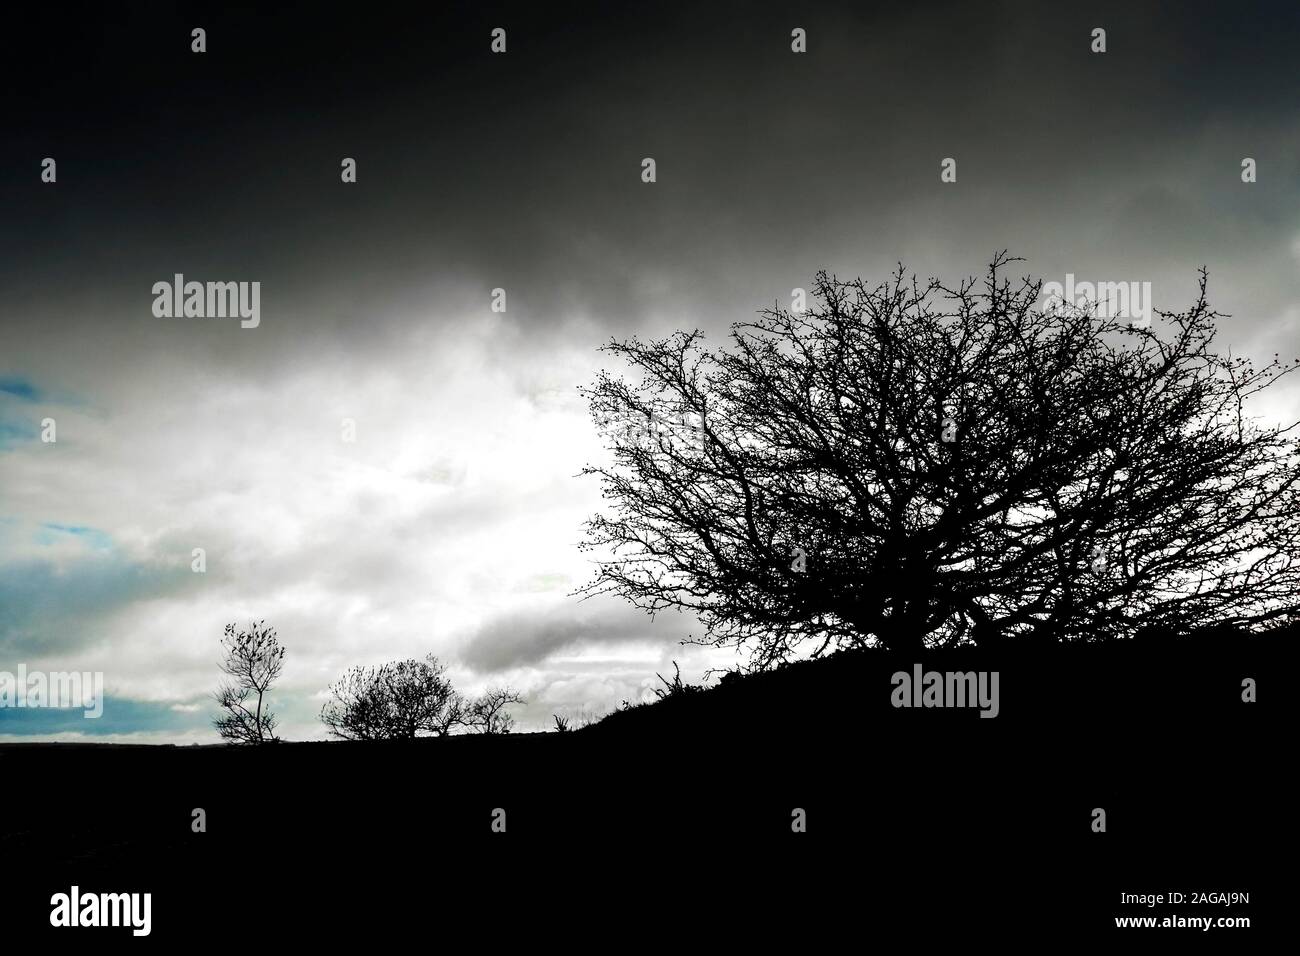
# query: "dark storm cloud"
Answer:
x=522 y=170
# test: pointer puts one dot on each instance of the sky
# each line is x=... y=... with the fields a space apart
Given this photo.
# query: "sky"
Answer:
x=451 y=524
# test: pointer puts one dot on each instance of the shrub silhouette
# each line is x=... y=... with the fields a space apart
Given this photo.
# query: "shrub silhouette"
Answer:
x=402 y=699
x=488 y=715
x=410 y=698
x=913 y=464
x=676 y=686
x=730 y=678
x=565 y=723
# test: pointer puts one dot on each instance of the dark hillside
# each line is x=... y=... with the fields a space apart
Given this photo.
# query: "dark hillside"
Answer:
x=705 y=783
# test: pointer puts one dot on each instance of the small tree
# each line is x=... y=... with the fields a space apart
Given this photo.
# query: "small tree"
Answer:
x=253 y=662
x=399 y=700
x=487 y=715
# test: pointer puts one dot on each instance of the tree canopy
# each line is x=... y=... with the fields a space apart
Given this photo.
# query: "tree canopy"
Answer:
x=914 y=463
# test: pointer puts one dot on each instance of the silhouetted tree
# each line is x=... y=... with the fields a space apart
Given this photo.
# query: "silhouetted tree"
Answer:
x=253 y=660
x=402 y=699
x=914 y=464
x=487 y=714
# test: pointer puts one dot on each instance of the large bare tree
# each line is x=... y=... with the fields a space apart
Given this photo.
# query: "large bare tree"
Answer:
x=912 y=464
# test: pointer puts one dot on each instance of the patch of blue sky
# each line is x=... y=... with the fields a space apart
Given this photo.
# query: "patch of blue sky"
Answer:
x=20 y=388
x=50 y=533
x=121 y=715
